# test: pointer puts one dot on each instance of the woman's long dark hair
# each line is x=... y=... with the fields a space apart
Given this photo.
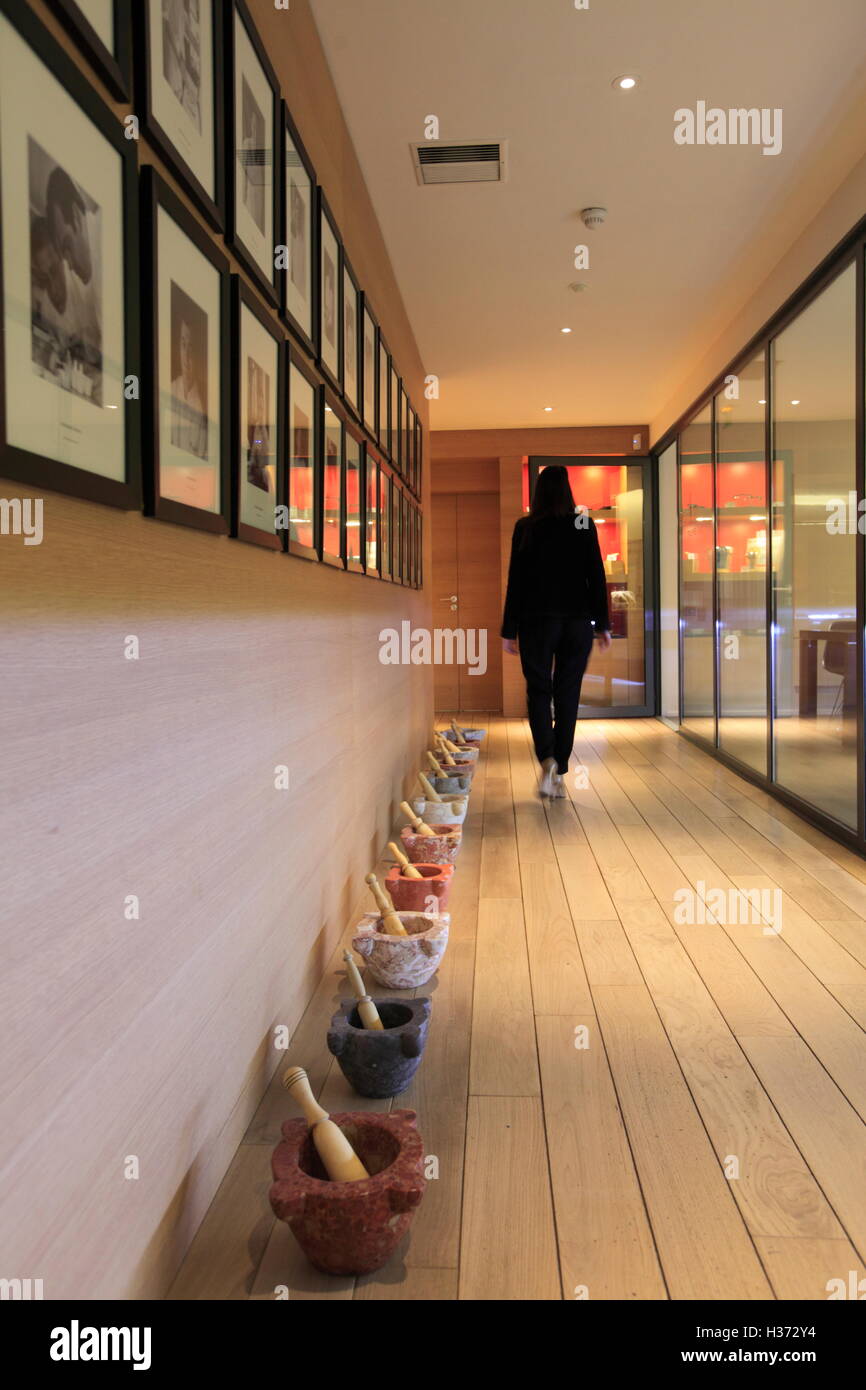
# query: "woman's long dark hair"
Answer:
x=552 y=495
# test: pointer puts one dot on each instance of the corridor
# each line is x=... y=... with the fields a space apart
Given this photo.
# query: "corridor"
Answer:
x=599 y=1073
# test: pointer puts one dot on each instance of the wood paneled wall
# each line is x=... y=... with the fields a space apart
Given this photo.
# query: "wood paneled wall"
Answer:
x=153 y=1036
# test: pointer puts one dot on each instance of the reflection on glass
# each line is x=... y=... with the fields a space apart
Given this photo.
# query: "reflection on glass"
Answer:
x=331 y=539
x=814 y=553
x=696 y=575
x=372 y=515
x=741 y=558
x=353 y=500
x=302 y=521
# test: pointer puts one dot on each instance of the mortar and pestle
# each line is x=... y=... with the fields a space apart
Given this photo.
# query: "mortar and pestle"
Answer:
x=458 y=772
x=346 y=1184
x=378 y=1061
x=403 y=962
x=429 y=844
x=451 y=811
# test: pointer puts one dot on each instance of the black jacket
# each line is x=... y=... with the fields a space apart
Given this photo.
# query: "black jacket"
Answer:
x=556 y=570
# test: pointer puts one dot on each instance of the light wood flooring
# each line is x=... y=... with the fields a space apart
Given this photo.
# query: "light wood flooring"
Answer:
x=621 y=1106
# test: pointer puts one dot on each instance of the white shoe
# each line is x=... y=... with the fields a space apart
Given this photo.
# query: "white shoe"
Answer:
x=547 y=787
x=558 y=786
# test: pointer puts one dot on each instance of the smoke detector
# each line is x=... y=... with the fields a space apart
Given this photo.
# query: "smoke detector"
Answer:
x=593 y=217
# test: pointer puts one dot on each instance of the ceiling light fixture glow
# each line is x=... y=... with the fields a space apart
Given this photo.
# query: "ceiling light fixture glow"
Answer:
x=625 y=83
x=548 y=407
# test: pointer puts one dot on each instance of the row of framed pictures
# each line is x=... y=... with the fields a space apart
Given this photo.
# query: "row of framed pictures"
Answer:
x=210 y=103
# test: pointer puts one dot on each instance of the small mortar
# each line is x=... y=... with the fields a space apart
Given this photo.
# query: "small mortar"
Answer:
x=350 y=1227
x=380 y=1063
x=411 y=894
x=403 y=962
x=441 y=811
x=474 y=735
x=466 y=755
x=439 y=848
x=456 y=783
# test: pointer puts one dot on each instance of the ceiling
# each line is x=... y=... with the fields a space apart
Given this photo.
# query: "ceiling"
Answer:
x=691 y=232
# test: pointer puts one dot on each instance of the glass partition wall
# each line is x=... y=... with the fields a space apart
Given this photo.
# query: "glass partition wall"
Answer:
x=770 y=558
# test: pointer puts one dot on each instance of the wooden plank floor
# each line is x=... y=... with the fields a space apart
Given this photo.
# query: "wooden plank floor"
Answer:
x=621 y=1105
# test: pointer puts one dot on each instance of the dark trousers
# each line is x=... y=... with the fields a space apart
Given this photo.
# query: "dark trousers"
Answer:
x=553 y=654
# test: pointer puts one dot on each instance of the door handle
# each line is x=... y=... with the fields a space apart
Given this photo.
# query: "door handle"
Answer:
x=448 y=598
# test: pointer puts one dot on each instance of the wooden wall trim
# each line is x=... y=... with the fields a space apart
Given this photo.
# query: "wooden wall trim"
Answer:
x=488 y=445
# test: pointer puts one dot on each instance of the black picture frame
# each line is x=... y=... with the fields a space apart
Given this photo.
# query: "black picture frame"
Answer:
x=394 y=415
x=330 y=402
x=114 y=68
x=383 y=370
x=269 y=286
x=332 y=372
x=296 y=360
x=355 y=407
x=366 y=312
x=384 y=523
x=352 y=431
x=213 y=208
x=242 y=297
x=403 y=437
x=371 y=475
x=419 y=449
x=23 y=465
x=307 y=339
x=157 y=194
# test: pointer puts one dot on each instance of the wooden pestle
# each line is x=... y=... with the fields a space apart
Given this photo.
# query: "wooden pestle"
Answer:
x=367 y=1011
x=390 y=921
x=418 y=825
x=341 y=1162
x=407 y=870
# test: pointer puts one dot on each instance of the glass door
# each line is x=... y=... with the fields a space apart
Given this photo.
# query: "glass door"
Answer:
x=617 y=493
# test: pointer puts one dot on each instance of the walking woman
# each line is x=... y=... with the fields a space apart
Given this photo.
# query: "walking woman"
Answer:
x=555 y=606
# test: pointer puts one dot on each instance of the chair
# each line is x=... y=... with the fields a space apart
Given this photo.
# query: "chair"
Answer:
x=840 y=659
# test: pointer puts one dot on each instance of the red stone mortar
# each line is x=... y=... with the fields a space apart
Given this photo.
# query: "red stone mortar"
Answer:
x=350 y=1227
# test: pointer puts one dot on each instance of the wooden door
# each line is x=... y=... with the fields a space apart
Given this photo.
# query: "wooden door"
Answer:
x=466 y=595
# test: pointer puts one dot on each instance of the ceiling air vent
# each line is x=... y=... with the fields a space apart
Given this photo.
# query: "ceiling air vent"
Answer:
x=466 y=161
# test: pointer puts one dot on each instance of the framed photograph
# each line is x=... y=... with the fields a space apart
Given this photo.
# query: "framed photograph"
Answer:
x=179 y=92
x=396 y=532
x=383 y=395
x=351 y=338
x=407 y=440
x=403 y=441
x=103 y=31
x=259 y=505
x=407 y=540
x=253 y=120
x=304 y=454
x=329 y=296
x=394 y=411
x=353 y=493
x=369 y=367
x=299 y=236
x=384 y=524
x=371 y=511
x=69 y=349
x=187 y=373
x=416 y=568
x=333 y=500
x=419 y=445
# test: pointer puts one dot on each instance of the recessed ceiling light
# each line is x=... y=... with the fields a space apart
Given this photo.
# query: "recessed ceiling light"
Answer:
x=566 y=330
x=762 y=402
x=548 y=407
x=626 y=83
x=795 y=402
